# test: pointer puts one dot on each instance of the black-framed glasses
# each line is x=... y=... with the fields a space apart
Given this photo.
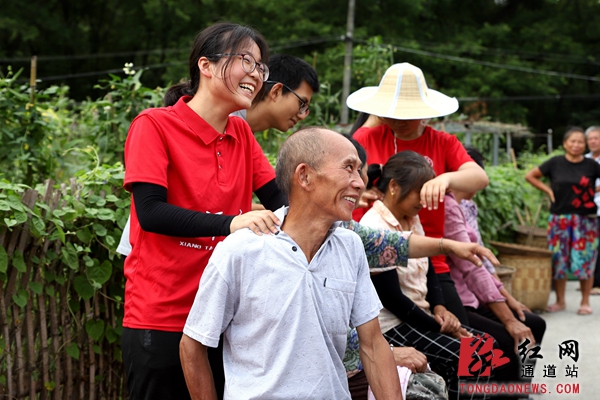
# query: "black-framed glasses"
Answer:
x=249 y=64
x=303 y=103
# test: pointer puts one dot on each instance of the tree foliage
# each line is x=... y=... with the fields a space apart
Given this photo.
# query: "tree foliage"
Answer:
x=486 y=49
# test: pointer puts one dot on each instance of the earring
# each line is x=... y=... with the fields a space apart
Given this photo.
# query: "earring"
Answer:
x=392 y=193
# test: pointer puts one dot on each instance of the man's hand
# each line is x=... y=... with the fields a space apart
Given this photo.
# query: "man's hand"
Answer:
x=258 y=221
x=410 y=358
x=448 y=321
x=469 y=251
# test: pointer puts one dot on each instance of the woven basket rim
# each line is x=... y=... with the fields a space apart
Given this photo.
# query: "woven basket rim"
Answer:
x=519 y=249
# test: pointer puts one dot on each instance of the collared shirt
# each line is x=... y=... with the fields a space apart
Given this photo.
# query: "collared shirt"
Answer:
x=596 y=194
x=413 y=277
x=205 y=171
x=471 y=212
x=284 y=319
x=475 y=285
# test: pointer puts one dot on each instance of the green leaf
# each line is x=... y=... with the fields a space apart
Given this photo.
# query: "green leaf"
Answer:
x=83 y=287
x=99 y=230
x=110 y=241
x=84 y=235
x=4 y=206
x=110 y=334
x=100 y=273
x=106 y=214
x=69 y=256
x=10 y=222
x=20 y=298
x=3 y=260
x=18 y=262
x=112 y=198
x=97 y=350
x=73 y=350
x=95 y=329
x=50 y=291
x=20 y=216
x=36 y=287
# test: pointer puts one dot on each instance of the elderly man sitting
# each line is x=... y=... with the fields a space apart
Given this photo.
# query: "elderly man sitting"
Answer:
x=284 y=301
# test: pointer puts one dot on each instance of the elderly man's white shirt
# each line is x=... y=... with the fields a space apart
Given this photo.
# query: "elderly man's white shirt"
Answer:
x=285 y=320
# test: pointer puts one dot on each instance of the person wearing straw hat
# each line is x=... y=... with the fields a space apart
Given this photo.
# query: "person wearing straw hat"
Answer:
x=404 y=104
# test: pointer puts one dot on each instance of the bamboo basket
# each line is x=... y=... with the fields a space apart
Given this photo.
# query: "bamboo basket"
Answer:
x=531 y=236
x=532 y=280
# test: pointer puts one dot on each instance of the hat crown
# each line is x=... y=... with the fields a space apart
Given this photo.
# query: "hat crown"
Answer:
x=402 y=94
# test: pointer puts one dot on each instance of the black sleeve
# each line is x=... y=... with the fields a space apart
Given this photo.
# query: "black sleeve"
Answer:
x=391 y=296
x=271 y=196
x=435 y=295
x=157 y=216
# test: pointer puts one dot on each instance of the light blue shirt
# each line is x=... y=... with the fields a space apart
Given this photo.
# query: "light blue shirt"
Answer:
x=284 y=319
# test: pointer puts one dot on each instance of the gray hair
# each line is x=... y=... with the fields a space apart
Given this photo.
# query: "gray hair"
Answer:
x=304 y=146
x=591 y=129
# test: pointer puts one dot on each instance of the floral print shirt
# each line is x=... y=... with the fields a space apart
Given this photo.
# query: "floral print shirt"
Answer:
x=384 y=249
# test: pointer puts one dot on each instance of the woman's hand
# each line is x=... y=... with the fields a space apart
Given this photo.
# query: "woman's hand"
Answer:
x=410 y=358
x=519 y=332
x=434 y=191
x=517 y=307
x=448 y=321
x=368 y=197
x=462 y=333
x=259 y=222
x=469 y=251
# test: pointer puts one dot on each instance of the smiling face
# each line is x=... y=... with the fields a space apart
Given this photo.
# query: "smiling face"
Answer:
x=574 y=145
x=339 y=184
x=284 y=109
x=241 y=87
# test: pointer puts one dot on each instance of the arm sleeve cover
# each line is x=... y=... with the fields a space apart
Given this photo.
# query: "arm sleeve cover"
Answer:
x=157 y=216
x=271 y=196
x=391 y=296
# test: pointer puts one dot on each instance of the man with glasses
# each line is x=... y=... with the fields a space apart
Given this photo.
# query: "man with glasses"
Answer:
x=287 y=95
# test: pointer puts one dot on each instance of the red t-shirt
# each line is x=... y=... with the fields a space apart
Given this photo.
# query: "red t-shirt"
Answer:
x=203 y=170
x=443 y=151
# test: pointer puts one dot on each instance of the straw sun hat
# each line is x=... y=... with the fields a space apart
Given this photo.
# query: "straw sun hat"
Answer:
x=402 y=94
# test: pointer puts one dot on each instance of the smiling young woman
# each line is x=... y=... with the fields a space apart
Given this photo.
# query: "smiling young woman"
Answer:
x=183 y=170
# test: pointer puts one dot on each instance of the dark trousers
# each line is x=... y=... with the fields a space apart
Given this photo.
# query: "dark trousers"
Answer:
x=153 y=368
x=452 y=301
x=484 y=319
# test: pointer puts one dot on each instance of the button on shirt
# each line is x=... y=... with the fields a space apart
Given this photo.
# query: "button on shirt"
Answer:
x=284 y=319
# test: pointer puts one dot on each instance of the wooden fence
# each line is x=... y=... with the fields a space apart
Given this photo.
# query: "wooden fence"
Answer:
x=54 y=343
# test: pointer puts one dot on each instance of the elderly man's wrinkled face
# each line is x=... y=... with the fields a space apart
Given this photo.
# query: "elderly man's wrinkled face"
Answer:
x=339 y=182
x=593 y=141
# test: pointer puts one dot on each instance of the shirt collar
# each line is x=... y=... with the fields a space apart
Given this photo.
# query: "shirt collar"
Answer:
x=198 y=125
x=283 y=212
x=386 y=214
x=591 y=155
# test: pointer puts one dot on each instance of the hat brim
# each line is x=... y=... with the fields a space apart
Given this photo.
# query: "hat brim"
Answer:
x=370 y=100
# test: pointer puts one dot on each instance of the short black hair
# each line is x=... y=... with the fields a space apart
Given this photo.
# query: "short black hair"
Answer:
x=290 y=71
x=362 y=153
x=476 y=155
